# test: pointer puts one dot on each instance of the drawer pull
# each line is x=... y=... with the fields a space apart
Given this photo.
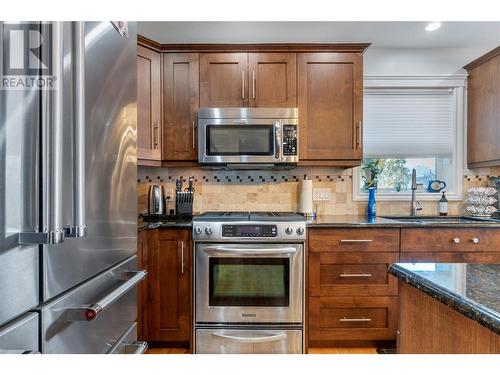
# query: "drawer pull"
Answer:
x=475 y=240
x=355 y=241
x=88 y=313
x=362 y=319
x=456 y=240
x=355 y=275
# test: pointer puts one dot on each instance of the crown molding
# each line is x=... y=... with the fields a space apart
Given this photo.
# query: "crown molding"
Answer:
x=481 y=60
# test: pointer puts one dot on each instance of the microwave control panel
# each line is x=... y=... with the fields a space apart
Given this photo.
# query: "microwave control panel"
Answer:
x=289 y=140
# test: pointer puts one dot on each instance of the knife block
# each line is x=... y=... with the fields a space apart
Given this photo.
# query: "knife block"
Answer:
x=184 y=203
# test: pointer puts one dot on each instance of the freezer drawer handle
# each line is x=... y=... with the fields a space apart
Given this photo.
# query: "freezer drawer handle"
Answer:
x=88 y=313
x=78 y=228
x=138 y=347
x=252 y=340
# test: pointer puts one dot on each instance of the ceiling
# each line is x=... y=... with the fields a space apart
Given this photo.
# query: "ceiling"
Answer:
x=380 y=34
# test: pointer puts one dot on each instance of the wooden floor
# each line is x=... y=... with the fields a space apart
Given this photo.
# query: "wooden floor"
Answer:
x=311 y=351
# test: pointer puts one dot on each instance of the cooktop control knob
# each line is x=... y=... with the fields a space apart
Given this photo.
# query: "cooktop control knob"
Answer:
x=197 y=230
x=208 y=231
x=289 y=230
x=300 y=231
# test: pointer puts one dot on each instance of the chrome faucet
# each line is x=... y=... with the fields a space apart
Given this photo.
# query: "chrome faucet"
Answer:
x=414 y=206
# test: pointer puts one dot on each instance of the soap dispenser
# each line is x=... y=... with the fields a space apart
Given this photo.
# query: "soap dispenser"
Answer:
x=443 y=205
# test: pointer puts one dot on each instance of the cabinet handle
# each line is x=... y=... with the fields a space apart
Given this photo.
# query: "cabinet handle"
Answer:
x=456 y=240
x=253 y=84
x=182 y=257
x=243 y=85
x=358 y=135
x=355 y=275
x=362 y=319
x=355 y=241
x=157 y=134
x=475 y=240
x=193 y=136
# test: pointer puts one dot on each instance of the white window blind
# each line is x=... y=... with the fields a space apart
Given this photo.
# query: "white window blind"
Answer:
x=406 y=123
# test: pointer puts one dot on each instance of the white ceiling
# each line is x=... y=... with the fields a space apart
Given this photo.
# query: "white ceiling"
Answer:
x=381 y=34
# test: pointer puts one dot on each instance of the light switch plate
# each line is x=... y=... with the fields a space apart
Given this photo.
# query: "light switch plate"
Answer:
x=322 y=194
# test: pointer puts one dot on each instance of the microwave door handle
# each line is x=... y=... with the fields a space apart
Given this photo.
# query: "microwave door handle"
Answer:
x=277 y=140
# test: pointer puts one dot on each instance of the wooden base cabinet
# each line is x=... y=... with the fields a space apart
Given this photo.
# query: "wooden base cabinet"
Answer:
x=428 y=326
x=142 y=289
x=169 y=286
x=351 y=295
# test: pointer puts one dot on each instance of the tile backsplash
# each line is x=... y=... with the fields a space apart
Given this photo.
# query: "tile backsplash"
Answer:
x=278 y=190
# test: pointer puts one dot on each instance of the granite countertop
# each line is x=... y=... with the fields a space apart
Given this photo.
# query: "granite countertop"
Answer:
x=164 y=221
x=392 y=221
x=471 y=289
x=340 y=221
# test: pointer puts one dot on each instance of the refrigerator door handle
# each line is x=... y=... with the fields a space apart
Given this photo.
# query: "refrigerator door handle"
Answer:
x=52 y=144
x=78 y=226
x=91 y=312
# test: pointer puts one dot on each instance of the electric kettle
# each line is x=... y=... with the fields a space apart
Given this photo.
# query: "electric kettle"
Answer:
x=156 y=204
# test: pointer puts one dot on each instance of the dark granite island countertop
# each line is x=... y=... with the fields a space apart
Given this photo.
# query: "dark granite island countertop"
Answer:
x=471 y=289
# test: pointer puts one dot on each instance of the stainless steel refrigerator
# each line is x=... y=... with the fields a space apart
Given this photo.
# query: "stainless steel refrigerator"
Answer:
x=68 y=216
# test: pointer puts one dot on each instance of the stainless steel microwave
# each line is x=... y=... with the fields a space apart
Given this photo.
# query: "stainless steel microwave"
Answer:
x=248 y=137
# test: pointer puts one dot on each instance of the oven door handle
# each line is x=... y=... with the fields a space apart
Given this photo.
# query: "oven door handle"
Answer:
x=251 y=340
x=242 y=251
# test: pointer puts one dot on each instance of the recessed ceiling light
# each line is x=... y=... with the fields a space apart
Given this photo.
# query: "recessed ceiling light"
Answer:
x=433 y=26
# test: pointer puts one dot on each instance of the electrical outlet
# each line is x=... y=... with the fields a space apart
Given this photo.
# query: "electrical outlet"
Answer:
x=169 y=194
x=322 y=194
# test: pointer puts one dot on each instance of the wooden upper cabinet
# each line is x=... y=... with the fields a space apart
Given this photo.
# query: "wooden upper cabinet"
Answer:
x=181 y=101
x=273 y=79
x=330 y=101
x=483 y=107
x=148 y=105
x=223 y=80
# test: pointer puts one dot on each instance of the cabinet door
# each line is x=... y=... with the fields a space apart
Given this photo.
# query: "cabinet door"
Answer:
x=273 y=79
x=330 y=99
x=483 y=123
x=223 y=80
x=169 y=285
x=181 y=98
x=142 y=289
x=148 y=104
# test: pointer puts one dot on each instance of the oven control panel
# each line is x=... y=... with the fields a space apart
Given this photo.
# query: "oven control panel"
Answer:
x=249 y=230
x=289 y=140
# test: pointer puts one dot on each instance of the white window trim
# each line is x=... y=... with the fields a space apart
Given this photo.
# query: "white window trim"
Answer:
x=457 y=83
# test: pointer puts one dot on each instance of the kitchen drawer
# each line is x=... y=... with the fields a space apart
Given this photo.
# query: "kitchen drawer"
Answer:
x=73 y=323
x=351 y=274
x=450 y=239
x=20 y=335
x=448 y=257
x=249 y=341
x=352 y=318
x=354 y=239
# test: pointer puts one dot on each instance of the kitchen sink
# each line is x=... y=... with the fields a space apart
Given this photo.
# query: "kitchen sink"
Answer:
x=435 y=219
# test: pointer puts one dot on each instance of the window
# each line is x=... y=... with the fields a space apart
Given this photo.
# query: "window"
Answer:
x=409 y=128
